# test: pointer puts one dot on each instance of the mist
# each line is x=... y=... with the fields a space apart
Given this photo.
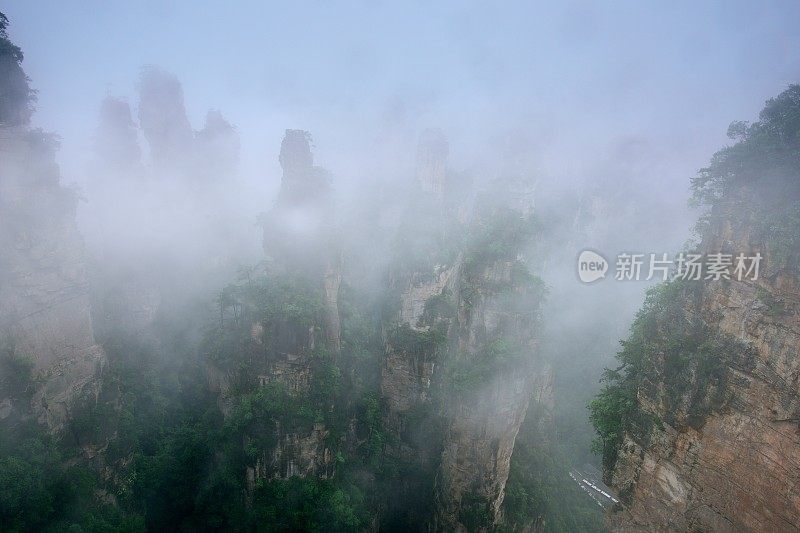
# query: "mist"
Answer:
x=357 y=165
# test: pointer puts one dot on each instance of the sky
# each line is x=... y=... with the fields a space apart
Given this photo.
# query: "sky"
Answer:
x=564 y=83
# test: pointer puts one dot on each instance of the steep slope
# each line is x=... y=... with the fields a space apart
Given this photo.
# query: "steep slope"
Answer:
x=45 y=318
x=700 y=425
x=461 y=363
x=492 y=372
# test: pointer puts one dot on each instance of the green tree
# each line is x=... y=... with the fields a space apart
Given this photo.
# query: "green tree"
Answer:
x=16 y=96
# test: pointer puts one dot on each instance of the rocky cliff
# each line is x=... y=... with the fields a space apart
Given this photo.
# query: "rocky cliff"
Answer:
x=711 y=437
x=44 y=295
x=462 y=349
x=49 y=355
x=299 y=229
x=494 y=371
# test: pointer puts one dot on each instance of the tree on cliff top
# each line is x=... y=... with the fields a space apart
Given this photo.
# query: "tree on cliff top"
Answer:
x=16 y=96
x=756 y=181
x=765 y=156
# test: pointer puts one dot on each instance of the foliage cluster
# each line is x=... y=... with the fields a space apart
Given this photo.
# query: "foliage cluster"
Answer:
x=539 y=491
x=16 y=96
x=675 y=358
x=756 y=181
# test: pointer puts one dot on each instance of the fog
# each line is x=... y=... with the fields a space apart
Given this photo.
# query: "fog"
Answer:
x=170 y=119
x=573 y=79
x=579 y=96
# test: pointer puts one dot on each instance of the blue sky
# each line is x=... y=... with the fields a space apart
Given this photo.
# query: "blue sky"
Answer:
x=569 y=79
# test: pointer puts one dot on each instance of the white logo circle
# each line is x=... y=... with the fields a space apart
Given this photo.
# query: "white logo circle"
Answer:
x=591 y=266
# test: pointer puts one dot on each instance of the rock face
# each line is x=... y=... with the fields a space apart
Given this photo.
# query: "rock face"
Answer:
x=296 y=455
x=298 y=231
x=479 y=421
x=737 y=469
x=209 y=156
x=45 y=317
x=407 y=375
x=284 y=343
x=463 y=354
x=280 y=361
x=715 y=442
x=44 y=296
x=477 y=452
x=181 y=190
x=483 y=422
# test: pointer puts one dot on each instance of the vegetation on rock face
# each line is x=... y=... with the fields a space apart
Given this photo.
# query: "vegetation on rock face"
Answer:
x=616 y=409
x=498 y=234
x=539 y=492
x=675 y=359
x=16 y=372
x=177 y=463
x=415 y=342
x=498 y=355
x=438 y=308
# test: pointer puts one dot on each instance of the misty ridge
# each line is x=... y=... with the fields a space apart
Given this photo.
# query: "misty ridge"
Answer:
x=379 y=324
